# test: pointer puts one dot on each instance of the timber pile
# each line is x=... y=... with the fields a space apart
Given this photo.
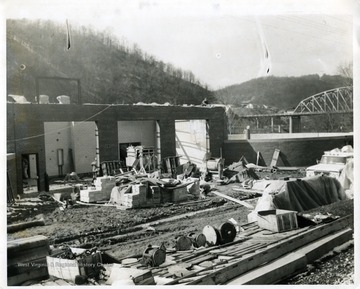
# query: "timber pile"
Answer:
x=26 y=259
x=256 y=256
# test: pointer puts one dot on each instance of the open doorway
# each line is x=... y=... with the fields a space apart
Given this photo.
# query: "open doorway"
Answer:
x=30 y=170
x=192 y=140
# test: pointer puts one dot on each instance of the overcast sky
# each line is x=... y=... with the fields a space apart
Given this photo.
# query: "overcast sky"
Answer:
x=221 y=42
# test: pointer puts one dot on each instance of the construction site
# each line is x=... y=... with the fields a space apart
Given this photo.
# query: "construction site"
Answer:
x=158 y=194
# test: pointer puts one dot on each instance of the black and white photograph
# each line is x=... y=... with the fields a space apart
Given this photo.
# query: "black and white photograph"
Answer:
x=154 y=142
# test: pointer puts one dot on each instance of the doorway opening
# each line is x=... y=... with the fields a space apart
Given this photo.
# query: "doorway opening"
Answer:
x=30 y=168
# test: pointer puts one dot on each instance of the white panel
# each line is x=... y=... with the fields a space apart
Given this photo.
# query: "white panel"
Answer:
x=57 y=136
x=84 y=145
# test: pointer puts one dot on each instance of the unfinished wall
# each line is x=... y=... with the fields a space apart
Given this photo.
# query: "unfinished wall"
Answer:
x=76 y=139
x=294 y=152
x=25 y=125
x=83 y=145
x=57 y=136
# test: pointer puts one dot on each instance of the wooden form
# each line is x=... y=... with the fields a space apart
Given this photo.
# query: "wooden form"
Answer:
x=26 y=259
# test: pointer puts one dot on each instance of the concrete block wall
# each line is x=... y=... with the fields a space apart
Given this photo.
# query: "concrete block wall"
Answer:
x=293 y=152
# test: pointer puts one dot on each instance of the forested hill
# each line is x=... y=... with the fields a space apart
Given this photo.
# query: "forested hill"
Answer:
x=108 y=70
x=279 y=92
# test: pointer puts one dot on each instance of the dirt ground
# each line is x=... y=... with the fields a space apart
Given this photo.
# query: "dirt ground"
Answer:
x=124 y=233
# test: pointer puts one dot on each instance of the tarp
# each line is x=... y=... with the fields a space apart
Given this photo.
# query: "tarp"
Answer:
x=299 y=195
x=308 y=193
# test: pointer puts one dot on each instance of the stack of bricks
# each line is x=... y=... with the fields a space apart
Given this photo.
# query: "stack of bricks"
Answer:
x=106 y=183
x=100 y=192
x=91 y=195
x=137 y=198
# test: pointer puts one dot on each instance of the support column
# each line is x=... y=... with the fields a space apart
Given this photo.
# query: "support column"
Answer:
x=294 y=124
x=97 y=149
x=272 y=123
x=207 y=138
x=158 y=144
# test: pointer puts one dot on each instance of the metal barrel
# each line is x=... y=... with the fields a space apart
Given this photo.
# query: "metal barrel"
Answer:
x=227 y=232
x=212 y=235
x=154 y=256
x=183 y=243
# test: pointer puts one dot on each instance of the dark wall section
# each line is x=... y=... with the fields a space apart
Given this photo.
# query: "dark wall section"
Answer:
x=293 y=152
x=25 y=127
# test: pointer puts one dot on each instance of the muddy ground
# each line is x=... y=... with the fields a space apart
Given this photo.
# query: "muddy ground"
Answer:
x=124 y=233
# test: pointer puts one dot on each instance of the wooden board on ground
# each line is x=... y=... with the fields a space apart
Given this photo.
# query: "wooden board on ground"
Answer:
x=245 y=204
x=293 y=262
x=271 y=252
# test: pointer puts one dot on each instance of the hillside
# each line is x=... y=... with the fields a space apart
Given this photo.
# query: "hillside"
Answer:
x=280 y=92
x=108 y=70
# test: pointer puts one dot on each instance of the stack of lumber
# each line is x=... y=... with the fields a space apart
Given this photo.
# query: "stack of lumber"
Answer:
x=26 y=259
x=256 y=256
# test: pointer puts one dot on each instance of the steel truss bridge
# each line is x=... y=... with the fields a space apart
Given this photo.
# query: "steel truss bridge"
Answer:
x=336 y=100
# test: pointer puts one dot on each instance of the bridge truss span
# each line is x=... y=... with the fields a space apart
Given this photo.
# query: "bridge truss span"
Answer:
x=334 y=100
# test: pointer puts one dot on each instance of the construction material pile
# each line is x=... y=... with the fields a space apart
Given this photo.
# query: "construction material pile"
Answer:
x=139 y=191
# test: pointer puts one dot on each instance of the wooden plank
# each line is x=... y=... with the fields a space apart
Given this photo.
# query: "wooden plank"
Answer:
x=35 y=274
x=26 y=243
x=50 y=283
x=268 y=274
x=247 y=191
x=24 y=225
x=23 y=267
x=245 y=204
x=26 y=256
x=293 y=262
x=275 y=158
x=272 y=252
x=317 y=249
x=243 y=251
x=62 y=282
x=202 y=259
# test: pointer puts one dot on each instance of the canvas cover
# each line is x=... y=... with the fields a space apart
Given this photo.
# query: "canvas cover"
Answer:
x=300 y=194
x=308 y=193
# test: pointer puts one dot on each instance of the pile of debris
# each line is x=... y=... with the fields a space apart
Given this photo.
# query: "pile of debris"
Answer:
x=263 y=252
x=131 y=190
